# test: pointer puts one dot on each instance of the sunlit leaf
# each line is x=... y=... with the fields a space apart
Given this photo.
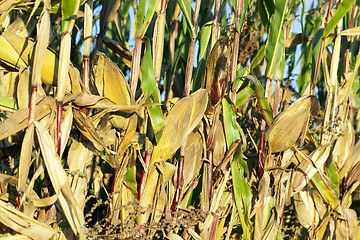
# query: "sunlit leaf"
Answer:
x=150 y=89
x=181 y=120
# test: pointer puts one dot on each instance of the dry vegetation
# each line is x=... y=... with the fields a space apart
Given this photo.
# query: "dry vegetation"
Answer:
x=108 y=143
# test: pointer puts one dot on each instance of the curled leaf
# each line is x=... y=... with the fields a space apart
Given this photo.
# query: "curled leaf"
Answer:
x=182 y=119
x=216 y=74
x=287 y=127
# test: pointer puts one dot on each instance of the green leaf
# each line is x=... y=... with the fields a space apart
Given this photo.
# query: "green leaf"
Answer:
x=344 y=7
x=243 y=96
x=185 y=6
x=8 y=102
x=149 y=88
x=142 y=21
x=334 y=177
x=243 y=196
x=263 y=14
x=68 y=10
x=275 y=43
x=316 y=43
x=327 y=193
x=242 y=191
x=263 y=102
x=231 y=128
x=243 y=14
x=205 y=34
x=258 y=57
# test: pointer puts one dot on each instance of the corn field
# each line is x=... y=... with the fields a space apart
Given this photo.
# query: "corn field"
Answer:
x=179 y=119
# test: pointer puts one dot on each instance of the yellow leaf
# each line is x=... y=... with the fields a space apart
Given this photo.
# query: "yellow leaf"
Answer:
x=288 y=125
x=182 y=119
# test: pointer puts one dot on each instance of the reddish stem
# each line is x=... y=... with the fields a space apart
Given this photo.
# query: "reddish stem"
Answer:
x=215 y=28
x=85 y=79
x=261 y=149
x=214 y=228
x=179 y=183
x=276 y=98
x=58 y=129
x=112 y=197
x=189 y=67
x=190 y=59
x=143 y=175
x=320 y=52
x=163 y=5
x=317 y=66
x=210 y=154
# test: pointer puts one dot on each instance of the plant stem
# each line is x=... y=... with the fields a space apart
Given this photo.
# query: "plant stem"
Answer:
x=236 y=50
x=173 y=35
x=215 y=27
x=210 y=157
x=214 y=227
x=135 y=66
x=179 y=183
x=85 y=79
x=189 y=67
x=58 y=128
x=320 y=53
x=190 y=58
x=261 y=149
x=32 y=105
x=87 y=45
x=159 y=42
x=276 y=97
x=143 y=175
x=262 y=136
x=188 y=75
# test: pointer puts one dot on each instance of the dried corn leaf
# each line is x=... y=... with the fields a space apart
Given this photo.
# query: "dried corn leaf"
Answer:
x=173 y=236
x=59 y=181
x=45 y=202
x=126 y=141
x=80 y=161
x=308 y=168
x=66 y=126
x=64 y=63
x=287 y=127
x=7 y=179
x=25 y=158
x=98 y=102
x=351 y=160
x=217 y=67
x=85 y=126
x=111 y=83
x=182 y=119
x=305 y=208
x=16 y=237
x=16 y=220
x=23 y=90
x=192 y=159
x=43 y=32
x=19 y=120
x=16 y=51
x=122 y=193
x=263 y=206
x=220 y=144
x=159 y=175
x=214 y=207
x=119 y=50
x=347 y=225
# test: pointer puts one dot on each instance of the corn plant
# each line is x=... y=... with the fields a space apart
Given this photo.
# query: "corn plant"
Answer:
x=179 y=119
